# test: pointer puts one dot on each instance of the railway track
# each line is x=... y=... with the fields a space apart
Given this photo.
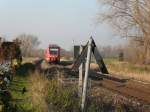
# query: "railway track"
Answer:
x=127 y=88
x=130 y=89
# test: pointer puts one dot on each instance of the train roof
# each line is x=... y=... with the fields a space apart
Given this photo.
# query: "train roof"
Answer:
x=54 y=45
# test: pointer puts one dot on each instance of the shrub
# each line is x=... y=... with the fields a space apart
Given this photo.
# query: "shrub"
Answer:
x=62 y=99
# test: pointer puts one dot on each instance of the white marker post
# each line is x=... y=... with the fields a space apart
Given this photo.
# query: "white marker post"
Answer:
x=80 y=76
x=83 y=103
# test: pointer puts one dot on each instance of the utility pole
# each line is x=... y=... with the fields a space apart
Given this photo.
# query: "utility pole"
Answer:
x=83 y=103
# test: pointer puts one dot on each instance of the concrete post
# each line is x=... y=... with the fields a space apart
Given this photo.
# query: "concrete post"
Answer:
x=83 y=103
x=80 y=76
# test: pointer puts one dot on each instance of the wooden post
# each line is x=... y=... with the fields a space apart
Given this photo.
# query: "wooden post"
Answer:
x=80 y=76
x=83 y=103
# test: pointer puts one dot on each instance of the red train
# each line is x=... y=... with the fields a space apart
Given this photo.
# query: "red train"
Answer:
x=52 y=54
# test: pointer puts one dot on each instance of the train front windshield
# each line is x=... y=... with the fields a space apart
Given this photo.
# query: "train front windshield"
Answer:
x=54 y=51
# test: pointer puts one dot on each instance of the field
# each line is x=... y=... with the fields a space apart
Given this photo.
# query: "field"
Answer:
x=43 y=93
x=126 y=69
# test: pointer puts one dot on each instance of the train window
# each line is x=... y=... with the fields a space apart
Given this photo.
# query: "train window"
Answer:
x=53 y=51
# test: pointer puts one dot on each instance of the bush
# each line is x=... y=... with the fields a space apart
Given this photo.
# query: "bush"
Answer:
x=50 y=95
x=38 y=91
x=62 y=99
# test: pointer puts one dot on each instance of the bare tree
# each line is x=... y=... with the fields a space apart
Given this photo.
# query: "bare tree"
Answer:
x=29 y=44
x=132 y=19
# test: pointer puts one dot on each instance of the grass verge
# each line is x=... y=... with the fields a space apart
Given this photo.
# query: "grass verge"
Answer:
x=126 y=69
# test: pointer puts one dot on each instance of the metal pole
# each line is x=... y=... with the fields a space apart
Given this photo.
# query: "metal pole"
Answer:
x=83 y=103
x=80 y=76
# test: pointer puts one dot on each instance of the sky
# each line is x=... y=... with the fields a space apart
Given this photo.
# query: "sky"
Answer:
x=62 y=22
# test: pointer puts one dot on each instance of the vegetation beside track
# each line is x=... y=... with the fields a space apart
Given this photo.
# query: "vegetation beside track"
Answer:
x=43 y=94
x=21 y=99
x=126 y=69
x=19 y=88
x=135 y=71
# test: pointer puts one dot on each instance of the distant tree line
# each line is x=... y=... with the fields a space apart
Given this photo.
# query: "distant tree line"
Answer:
x=110 y=51
x=29 y=45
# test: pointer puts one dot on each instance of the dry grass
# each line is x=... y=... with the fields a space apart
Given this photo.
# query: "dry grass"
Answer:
x=48 y=95
x=141 y=76
x=137 y=72
x=125 y=69
x=29 y=59
x=66 y=58
x=39 y=91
